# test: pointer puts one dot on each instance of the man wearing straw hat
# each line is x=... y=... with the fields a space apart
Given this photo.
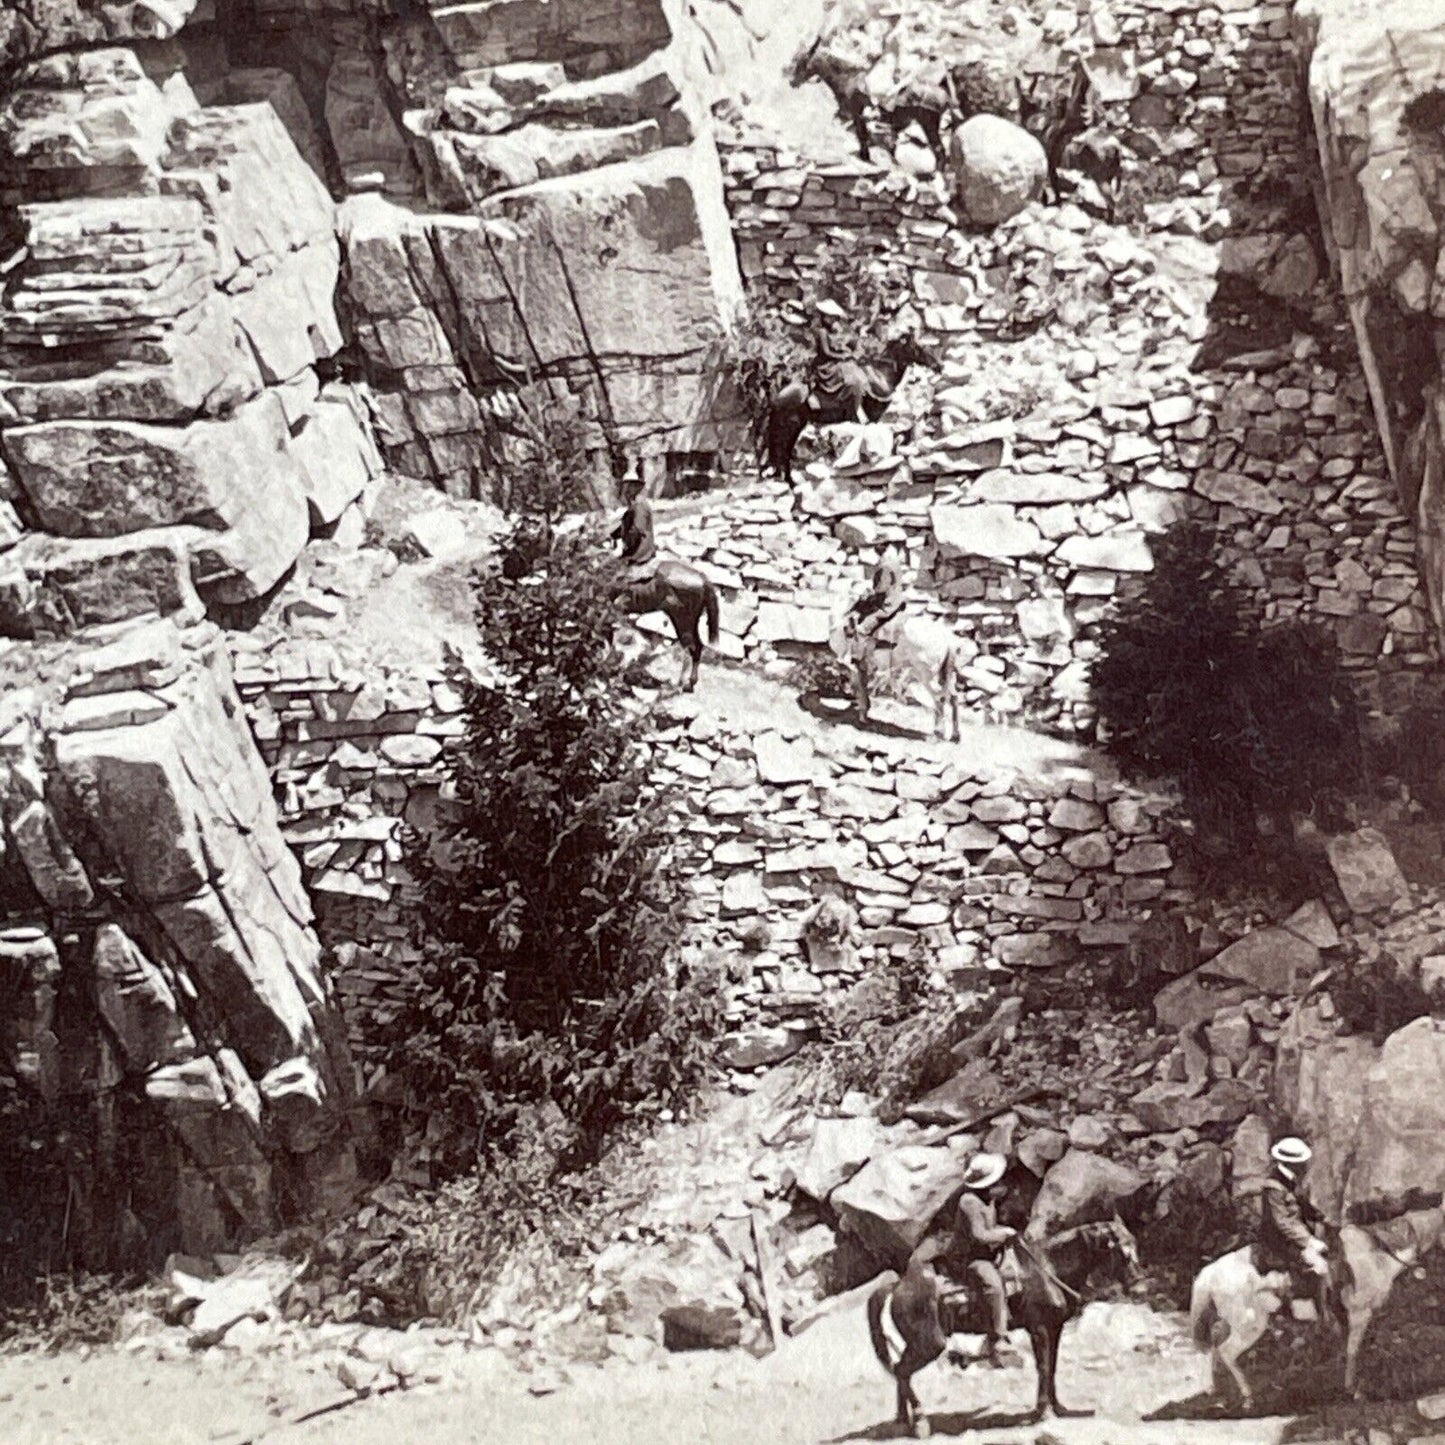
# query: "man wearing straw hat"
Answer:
x=981 y=1241
x=1285 y=1240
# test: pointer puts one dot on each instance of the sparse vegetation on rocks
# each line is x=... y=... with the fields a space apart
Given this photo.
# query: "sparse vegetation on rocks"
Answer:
x=1252 y=722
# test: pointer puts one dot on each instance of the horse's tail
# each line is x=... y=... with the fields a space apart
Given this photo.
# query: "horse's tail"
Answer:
x=710 y=607
x=887 y=1283
x=1203 y=1315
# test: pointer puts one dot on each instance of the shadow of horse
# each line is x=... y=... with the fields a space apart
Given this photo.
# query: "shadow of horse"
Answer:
x=812 y=702
x=953 y=1422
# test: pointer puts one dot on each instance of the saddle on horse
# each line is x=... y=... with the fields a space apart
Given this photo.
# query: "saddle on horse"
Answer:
x=844 y=381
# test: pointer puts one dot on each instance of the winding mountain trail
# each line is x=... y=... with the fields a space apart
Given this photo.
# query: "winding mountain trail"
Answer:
x=1121 y=1360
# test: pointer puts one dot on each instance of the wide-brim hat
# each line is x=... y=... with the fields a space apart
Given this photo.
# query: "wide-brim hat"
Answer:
x=983 y=1170
x=1291 y=1152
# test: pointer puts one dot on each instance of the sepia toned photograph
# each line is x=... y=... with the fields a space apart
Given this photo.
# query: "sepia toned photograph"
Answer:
x=721 y=722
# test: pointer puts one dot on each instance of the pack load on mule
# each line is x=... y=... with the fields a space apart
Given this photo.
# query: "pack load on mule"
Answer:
x=838 y=387
x=974 y=1276
x=1342 y=1277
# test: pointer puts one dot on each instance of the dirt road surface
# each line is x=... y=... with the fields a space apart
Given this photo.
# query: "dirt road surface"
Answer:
x=1120 y=1360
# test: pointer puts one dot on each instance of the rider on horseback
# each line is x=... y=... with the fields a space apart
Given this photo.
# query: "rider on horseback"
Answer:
x=875 y=607
x=981 y=1240
x=1285 y=1241
x=639 y=546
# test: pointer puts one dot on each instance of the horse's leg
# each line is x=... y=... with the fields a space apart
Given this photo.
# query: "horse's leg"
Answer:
x=919 y=1353
x=695 y=650
x=857 y=113
x=1055 y=1333
x=1359 y=1322
x=860 y=687
x=791 y=426
x=1044 y=1365
x=1228 y=1355
x=687 y=626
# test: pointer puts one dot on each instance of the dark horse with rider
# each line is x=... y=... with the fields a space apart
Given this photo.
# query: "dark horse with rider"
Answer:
x=973 y=1275
x=649 y=583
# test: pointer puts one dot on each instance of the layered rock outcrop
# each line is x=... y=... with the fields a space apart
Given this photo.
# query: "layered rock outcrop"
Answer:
x=596 y=262
x=158 y=944
x=1378 y=108
x=163 y=322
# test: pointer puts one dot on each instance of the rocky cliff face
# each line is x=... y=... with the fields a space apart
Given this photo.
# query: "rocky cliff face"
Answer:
x=156 y=945
x=168 y=437
x=219 y=217
x=584 y=246
x=1374 y=92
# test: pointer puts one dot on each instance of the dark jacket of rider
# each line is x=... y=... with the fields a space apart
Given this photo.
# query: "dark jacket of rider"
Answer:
x=636 y=532
x=1284 y=1234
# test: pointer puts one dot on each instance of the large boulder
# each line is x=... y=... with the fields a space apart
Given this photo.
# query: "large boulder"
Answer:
x=1400 y=1143
x=1374 y=81
x=1082 y=1187
x=1319 y=1088
x=1271 y=961
x=235 y=477
x=51 y=588
x=838 y=1149
x=1366 y=871
x=890 y=1202
x=998 y=168
x=1194 y=999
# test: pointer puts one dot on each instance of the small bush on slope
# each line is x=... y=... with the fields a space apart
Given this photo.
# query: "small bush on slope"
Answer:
x=1252 y=723
x=549 y=986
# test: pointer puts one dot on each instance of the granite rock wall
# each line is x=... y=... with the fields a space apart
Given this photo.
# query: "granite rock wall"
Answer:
x=168 y=996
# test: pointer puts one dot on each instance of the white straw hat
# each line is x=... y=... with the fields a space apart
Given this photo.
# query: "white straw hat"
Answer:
x=1292 y=1152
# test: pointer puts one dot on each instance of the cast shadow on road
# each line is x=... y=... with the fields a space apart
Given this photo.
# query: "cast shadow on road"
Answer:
x=943 y=1424
x=817 y=706
x=1338 y=1421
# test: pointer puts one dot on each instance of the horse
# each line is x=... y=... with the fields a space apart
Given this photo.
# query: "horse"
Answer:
x=1232 y=1302
x=844 y=78
x=919 y=654
x=911 y=1318
x=837 y=391
x=1374 y=1257
x=916 y=100
x=686 y=596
